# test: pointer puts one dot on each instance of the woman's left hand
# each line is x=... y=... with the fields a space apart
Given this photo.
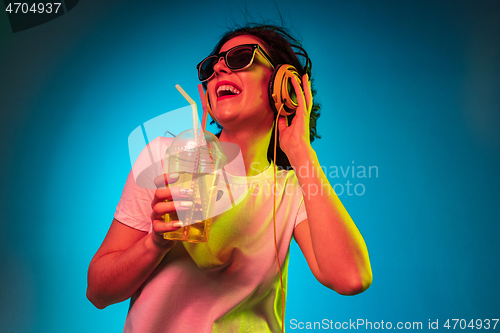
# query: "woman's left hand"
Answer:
x=295 y=137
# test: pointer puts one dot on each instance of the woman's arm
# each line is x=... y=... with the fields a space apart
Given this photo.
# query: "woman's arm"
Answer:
x=124 y=261
x=329 y=239
x=128 y=256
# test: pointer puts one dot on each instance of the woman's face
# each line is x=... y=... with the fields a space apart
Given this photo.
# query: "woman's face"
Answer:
x=248 y=103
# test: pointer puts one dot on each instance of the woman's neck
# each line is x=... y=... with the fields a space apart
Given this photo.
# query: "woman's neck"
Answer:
x=253 y=149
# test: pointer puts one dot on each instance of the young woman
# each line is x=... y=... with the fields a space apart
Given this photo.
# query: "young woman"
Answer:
x=232 y=282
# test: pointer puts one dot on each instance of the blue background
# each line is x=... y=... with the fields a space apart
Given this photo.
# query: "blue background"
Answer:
x=411 y=87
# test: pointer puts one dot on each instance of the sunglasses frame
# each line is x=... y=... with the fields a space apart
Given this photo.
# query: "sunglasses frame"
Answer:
x=224 y=55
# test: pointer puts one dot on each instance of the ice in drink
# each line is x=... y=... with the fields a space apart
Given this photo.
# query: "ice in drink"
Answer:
x=198 y=159
x=198 y=218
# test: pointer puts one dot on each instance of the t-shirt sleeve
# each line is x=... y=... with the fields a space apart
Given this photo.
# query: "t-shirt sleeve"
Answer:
x=134 y=208
x=301 y=213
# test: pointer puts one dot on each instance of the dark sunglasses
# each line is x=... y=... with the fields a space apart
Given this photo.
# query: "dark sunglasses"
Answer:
x=236 y=58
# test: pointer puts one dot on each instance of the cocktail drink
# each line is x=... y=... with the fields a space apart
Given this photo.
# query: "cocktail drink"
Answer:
x=199 y=168
x=198 y=218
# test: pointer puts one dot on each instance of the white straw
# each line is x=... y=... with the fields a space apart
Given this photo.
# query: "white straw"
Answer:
x=195 y=112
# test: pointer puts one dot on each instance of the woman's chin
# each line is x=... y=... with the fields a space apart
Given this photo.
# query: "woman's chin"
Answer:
x=239 y=120
x=228 y=117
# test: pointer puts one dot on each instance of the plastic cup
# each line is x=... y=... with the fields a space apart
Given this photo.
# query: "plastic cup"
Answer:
x=199 y=168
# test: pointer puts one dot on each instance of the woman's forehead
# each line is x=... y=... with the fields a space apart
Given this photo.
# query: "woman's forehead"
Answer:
x=240 y=40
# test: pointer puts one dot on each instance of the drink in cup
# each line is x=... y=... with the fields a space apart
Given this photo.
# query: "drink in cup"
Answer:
x=199 y=168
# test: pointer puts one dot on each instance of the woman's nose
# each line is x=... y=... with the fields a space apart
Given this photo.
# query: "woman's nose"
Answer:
x=220 y=66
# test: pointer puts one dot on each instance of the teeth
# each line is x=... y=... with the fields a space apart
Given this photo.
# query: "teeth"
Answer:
x=232 y=89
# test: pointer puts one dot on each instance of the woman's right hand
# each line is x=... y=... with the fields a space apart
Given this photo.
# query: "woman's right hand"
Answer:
x=163 y=204
x=128 y=256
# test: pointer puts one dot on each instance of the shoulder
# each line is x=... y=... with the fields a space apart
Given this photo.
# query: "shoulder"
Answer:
x=149 y=162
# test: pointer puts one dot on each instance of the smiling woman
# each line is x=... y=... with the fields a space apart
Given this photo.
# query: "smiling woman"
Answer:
x=232 y=283
x=227 y=90
x=285 y=50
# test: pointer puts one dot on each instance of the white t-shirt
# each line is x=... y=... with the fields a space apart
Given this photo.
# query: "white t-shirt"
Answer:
x=230 y=283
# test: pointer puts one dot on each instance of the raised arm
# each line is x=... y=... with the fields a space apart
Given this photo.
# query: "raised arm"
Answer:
x=329 y=239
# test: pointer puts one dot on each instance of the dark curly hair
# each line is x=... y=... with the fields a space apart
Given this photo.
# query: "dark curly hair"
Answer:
x=283 y=49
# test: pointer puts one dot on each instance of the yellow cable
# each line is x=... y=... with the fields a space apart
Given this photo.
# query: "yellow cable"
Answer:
x=274 y=222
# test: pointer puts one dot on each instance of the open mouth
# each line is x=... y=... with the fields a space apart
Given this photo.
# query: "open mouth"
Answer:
x=227 y=90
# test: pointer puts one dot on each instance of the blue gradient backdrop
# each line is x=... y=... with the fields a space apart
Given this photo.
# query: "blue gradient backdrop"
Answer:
x=411 y=87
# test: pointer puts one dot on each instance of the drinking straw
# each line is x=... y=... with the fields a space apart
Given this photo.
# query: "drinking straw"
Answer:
x=194 y=180
x=195 y=113
x=204 y=105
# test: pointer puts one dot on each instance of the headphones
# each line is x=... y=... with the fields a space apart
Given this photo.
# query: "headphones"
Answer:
x=282 y=94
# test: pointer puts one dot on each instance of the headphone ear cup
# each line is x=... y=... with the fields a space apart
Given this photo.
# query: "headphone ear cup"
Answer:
x=273 y=97
x=282 y=94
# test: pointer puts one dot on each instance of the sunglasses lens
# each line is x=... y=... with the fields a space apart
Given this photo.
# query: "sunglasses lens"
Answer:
x=206 y=68
x=239 y=57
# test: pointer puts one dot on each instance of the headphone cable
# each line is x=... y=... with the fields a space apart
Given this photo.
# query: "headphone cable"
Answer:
x=274 y=223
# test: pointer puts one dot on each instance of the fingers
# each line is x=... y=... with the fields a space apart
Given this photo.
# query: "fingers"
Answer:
x=161 y=208
x=160 y=226
x=304 y=100
x=169 y=201
x=162 y=194
x=164 y=215
x=300 y=97
x=166 y=179
x=282 y=123
x=163 y=203
x=173 y=193
x=307 y=92
x=166 y=192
